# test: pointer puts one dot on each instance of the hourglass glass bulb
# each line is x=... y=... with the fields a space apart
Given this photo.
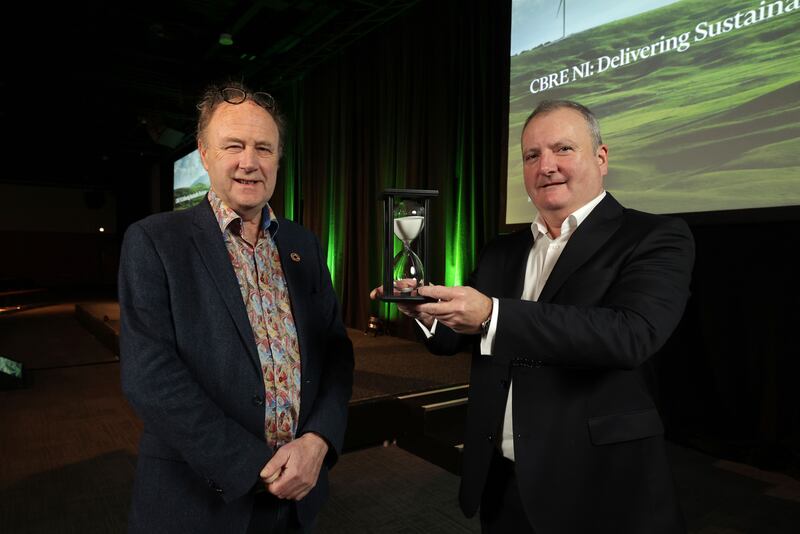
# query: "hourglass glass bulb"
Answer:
x=407 y=269
x=408 y=228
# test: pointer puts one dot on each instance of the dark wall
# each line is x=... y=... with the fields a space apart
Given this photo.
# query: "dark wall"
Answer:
x=57 y=236
x=50 y=233
x=59 y=260
x=728 y=376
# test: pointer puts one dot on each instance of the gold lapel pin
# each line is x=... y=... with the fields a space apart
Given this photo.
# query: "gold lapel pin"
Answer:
x=295 y=257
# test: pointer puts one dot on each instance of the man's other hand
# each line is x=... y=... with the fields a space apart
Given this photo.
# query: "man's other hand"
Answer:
x=294 y=469
x=409 y=310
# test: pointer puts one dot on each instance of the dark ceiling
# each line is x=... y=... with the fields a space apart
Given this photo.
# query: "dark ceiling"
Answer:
x=90 y=88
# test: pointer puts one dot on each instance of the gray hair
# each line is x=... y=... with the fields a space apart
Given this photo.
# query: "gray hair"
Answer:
x=546 y=106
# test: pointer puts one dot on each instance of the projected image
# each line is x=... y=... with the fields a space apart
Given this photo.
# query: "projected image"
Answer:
x=190 y=181
x=698 y=101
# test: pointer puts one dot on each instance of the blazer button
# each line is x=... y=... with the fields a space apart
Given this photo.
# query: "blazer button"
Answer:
x=213 y=485
x=258 y=400
x=490 y=437
x=504 y=384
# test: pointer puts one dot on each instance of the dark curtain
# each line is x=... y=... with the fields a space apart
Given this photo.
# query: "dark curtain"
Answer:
x=729 y=374
x=421 y=104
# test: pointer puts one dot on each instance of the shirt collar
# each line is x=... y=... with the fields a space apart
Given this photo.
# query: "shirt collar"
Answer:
x=539 y=228
x=226 y=216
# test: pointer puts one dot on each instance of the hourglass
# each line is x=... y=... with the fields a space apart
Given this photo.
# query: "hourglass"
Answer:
x=408 y=273
x=405 y=217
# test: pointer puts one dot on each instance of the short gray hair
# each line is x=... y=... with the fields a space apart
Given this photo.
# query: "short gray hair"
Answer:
x=546 y=106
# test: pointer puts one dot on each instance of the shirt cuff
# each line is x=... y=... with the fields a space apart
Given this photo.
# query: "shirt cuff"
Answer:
x=487 y=341
x=428 y=333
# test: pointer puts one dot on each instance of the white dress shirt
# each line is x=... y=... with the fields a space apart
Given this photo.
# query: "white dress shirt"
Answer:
x=542 y=258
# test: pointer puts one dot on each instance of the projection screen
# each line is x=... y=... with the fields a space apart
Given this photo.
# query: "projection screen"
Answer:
x=698 y=101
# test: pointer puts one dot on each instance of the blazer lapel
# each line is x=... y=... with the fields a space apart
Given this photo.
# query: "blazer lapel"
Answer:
x=294 y=285
x=211 y=246
x=592 y=233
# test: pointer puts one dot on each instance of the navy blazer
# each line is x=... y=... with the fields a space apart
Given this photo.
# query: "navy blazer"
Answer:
x=587 y=436
x=190 y=369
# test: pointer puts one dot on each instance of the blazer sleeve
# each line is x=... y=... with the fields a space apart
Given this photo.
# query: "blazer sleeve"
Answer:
x=328 y=416
x=635 y=315
x=162 y=390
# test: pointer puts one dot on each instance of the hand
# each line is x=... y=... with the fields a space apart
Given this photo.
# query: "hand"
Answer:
x=293 y=471
x=461 y=308
x=409 y=310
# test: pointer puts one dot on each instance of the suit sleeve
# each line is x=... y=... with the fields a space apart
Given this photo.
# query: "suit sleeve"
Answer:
x=328 y=416
x=162 y=390
x=637 y=313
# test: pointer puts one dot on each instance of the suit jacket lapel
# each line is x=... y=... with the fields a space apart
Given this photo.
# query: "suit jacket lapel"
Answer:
x=592 y=233
x=211 y=246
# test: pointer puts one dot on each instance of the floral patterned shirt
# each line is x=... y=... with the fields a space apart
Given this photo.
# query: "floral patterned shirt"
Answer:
x=266 y=297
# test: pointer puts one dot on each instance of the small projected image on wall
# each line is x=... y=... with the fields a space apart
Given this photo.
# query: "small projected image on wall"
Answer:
x=190 y=182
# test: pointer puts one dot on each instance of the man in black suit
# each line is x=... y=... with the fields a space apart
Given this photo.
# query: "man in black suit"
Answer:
x=562 y=431
x=233 y=350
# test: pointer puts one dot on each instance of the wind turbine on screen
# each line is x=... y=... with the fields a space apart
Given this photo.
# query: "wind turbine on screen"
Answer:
x=562 y=7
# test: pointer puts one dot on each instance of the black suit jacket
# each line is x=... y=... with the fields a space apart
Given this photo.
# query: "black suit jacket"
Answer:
x=190 y=368
x=587 y=436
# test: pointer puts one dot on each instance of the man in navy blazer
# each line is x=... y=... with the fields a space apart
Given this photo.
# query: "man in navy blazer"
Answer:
x=197 y=363
x=562 y=432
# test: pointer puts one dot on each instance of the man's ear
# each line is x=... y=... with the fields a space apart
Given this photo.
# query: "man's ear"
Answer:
x=202 y=150
x=602 y=159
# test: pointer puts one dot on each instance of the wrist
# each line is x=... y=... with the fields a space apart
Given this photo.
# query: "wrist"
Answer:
x=487 y=323
x=320 y=442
